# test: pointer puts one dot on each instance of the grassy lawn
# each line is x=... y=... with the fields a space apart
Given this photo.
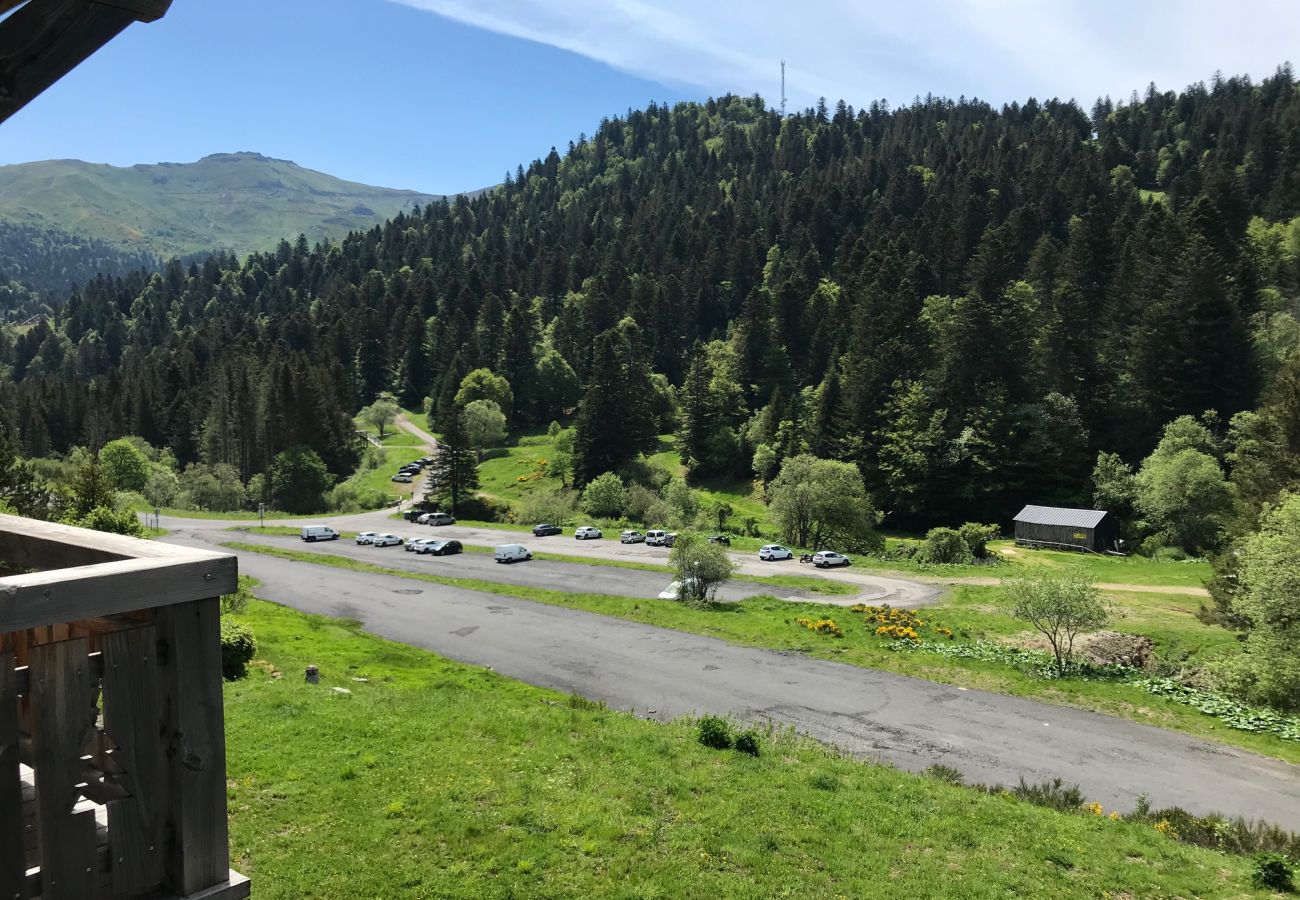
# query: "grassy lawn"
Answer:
x=973 y=612
x=435 y=779
x=513 y=472
x=397 y=448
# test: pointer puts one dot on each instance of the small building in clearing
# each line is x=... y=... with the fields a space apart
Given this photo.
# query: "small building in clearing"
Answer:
x=1058 y=528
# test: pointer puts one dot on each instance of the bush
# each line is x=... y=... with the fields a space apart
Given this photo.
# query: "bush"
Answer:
x=1271 y=871
x=747 y=742
x=1050 y=794
x=715 y=732
x=943 y=546
x=946 y=774
x=976 y=537
x=604 y=497
x=238 y=647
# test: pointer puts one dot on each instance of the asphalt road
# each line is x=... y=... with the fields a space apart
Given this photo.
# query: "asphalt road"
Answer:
x=539 y=573
x=908 y=722
x=870 y=588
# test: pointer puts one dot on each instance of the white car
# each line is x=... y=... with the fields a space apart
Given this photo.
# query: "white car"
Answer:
x=631 y=537
x=655 y=538
x=401 y=478
x=770 y=552
x=674 y=590
x=587 y=532
x=386 y=540
x=825 y=559
x=507 y=553
x=366 y=537
x=416 y=545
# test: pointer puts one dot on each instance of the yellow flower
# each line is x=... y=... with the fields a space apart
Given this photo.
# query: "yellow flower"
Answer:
x=1094 y=808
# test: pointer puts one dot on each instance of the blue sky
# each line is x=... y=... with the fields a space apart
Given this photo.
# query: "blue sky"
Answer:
x=446 y=95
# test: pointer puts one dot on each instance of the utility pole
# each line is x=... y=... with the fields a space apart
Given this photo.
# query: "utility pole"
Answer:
x=783 y=89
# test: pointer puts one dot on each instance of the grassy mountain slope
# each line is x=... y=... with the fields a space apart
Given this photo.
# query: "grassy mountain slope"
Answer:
x=226 y=201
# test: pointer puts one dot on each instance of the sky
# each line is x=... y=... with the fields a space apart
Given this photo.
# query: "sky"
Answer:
x=447 y=95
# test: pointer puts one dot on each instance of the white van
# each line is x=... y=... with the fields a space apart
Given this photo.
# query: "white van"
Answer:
x=506 y=553
x=319 y=533
x=655 y=537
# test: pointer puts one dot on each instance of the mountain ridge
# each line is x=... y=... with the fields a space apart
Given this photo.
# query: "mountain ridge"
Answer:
x=239 y=202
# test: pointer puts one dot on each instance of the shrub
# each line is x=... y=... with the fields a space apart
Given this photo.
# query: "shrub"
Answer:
x=1271 y=871
x=604 y=497
x=1050 y=794
x=947 y=774
x=238 y=647
x=943 y=546
x=747 y=742
x=715 y=732
x=976 y=537
x=1059 y=606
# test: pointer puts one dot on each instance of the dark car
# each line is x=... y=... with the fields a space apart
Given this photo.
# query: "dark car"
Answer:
x=543 y=530
x=440 y=548
x=720 y=539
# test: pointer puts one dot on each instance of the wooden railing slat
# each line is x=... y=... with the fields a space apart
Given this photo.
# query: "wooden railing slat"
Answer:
x=133 y=719
x=63 y=715
x=13 y=861
x=190 y=683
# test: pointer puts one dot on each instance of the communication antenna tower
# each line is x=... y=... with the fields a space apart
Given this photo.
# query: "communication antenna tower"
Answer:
x=783 y=89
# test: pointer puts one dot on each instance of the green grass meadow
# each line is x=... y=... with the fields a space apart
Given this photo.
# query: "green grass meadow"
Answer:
x=973 y=612
x=435 y=779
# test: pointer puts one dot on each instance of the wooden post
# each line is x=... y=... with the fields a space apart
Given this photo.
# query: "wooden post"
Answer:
x=63 y=718
x=133 y=720
x=194 y=736
x=13 y=865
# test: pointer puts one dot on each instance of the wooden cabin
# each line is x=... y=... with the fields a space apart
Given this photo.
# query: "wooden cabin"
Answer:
x=112 y=733
x=1059 y=528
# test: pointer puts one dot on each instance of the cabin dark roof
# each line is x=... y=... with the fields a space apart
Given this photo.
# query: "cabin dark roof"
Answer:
x=1053 y=515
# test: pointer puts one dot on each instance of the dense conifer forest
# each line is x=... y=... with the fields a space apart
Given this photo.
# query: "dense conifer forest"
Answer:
x=968 y=303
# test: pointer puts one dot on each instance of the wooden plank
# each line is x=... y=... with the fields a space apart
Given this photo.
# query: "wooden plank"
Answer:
x=65 y=595
x=133 y=719
x=34 y=544
x=22 y=674
x=13 y=861
x=63 y=717
x=194 y=731
x=45 y=39
x=143 y=10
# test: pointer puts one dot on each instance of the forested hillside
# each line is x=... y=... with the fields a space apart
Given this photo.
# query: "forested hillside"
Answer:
x=969 y=303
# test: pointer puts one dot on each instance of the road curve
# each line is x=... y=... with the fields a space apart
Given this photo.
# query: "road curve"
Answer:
x=904 y=721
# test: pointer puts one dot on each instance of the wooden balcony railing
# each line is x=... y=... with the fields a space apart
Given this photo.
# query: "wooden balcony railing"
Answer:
x=112 y=741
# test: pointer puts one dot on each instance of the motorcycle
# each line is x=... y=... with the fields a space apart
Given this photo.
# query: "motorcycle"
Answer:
x=806 y=558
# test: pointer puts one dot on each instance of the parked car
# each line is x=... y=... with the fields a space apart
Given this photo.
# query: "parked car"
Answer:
x=631 y=537
x=386 y=540
x=770 y=552
x=546 y=529
x=674 y=590
x=413 y=546
x=669 y=539
x=826 y=559
x=587 y=532
x=401 y=478
x=441 y=548
x=655 y=538
x=440 y=518
x=508 y=553
x=366 y=537
x=312 y=533
x=720 y=539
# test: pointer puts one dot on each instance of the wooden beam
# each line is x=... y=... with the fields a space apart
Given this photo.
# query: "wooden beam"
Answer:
x=46 y=39
x=66 y=595
x=34 y=544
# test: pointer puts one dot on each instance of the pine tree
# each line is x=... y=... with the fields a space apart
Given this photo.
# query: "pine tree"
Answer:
x=453 y=476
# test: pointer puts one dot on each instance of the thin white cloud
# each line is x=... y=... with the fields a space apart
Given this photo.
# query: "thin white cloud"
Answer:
x=1000 y=50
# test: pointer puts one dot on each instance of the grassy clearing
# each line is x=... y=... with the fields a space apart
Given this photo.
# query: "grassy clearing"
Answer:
x=973 y=612
x=513 y=472
x=379 y=464
x=433 y=778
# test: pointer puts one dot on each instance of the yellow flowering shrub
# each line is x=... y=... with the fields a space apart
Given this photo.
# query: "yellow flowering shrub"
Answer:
x=821 y=626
